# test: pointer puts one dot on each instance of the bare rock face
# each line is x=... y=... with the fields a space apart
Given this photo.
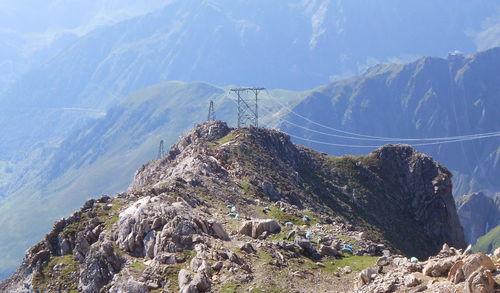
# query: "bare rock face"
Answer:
x=425 y=191
x=478 y=214
x=99 y=268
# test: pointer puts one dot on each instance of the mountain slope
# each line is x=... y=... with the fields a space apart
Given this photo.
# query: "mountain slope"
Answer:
x=478 y=214
x=431 y=97
x=172 y=224
x=103 y=156
x=489 y=242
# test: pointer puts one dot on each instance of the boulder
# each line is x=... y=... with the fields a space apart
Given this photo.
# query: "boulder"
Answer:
x=166 y=258
x=65 y=247
x=270 y=226
x=184 y=278
x=412 y=281
x=129 y=285
x=383 y=261
x=217 y=266
x=234 y=258
x=365 y=276
x=438 y=267
x=305 y=245
x=327 y=250
x=202 y=282
x=476 y=261
x=246 y=228
x=190 y=288
x=456 y=274
x=255 y=228
x=219 y=231
x=248 y=248
x=149 y=245
x=480 y=281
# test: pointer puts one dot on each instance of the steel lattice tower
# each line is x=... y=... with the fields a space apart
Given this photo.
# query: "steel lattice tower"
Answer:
x=161 y=149
x=211 y=112
x=248 y=107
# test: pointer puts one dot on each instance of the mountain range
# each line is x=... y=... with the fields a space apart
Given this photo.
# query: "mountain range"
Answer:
x=429 y=98
x=102 y=156
x=90 y=110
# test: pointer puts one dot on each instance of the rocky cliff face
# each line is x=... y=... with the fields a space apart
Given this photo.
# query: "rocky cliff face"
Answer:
x=245 y=209
x=479 y=214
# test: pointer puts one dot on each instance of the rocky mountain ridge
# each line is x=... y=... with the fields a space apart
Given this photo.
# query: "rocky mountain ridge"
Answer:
x=428 y=98
x=237 y=209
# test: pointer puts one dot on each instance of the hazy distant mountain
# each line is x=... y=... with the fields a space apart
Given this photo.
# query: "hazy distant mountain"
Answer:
x=33 y=32
x=431 y=97
x=478 y=214
x=285 y=44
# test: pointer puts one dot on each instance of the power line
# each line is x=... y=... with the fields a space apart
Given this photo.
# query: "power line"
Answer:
x=372 y=146
x=371 y=137
x=377 y=146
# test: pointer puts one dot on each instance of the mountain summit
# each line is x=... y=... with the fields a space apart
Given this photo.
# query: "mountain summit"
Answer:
x=238 y=208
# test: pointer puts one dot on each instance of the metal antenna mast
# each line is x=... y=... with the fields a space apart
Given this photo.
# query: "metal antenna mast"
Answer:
x=248 y=107
x=211 y=112
x=161 y=149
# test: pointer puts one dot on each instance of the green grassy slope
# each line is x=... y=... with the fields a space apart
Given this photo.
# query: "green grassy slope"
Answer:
x=489 y=242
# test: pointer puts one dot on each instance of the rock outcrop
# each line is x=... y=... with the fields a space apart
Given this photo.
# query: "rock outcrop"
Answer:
x=424 y=189
x=452 y=270
x=244 y=206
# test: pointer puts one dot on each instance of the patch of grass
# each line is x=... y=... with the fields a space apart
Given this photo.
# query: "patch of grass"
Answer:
x=247 y=187
x=284 y=217
x=264 y=256
x=64 y=280
x=139 y=266
x=171 y=274
x=108 y=217
x=229 y=137
x=230 y=287
x=355 y=262
x=271 y=289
